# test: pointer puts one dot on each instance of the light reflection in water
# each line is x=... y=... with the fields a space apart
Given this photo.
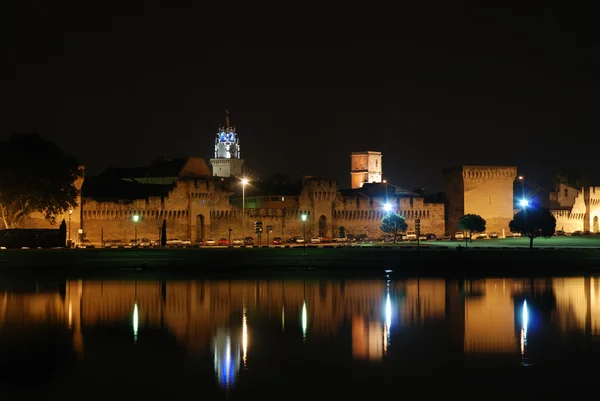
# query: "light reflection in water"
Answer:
x=70 y=314
x=135 y=321
x=524 y=324
x=304 y=319
x=226 y=358
x=388 y=320
x=245 y=336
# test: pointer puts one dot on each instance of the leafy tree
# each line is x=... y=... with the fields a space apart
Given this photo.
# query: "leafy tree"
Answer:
x=35 y=176
x=473 y=223
x=533 y=223
x=393 y=223
x=163 y=234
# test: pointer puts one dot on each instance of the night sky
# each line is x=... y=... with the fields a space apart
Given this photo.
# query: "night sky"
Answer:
x=121 y=84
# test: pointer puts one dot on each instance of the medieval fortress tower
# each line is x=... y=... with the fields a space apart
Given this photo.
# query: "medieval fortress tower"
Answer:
x=198 y=203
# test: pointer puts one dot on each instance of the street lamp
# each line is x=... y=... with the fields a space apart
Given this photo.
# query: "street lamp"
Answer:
x=524 y=203
x=244 y=182
x=70 y=213
x=387 y=207
x=135 y=220
x=303 y=216
x=522 y=186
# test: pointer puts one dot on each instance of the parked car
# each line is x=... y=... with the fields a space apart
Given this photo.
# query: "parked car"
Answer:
x=146 y=242
x=560 y=233
x=362 y=238
x=210 y=242
x=238 y=241
x=446 y=237
x=431 y=237
x=199 y=242
x=325 y=240
x=173 y=241
x=422 y=237
x=410 y=236
x=223 y=242
x=493 y=235
x=186 y=242
x=300 y=240
x=516 y=235
x=483 y=236
x=315 y=240
x=459 y=235
x=277 y=241
x=113 y=243
x=248 y=241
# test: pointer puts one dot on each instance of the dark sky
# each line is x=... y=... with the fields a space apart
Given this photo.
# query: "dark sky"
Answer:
x=120 y=84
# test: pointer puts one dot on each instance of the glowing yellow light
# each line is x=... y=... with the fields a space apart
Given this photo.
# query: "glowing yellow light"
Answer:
x=244 y=181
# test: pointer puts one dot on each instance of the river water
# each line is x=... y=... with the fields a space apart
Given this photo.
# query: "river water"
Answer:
x=485 y=339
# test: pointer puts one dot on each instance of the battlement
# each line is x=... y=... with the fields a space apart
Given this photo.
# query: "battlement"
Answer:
x=567 y=215
x=489 y=173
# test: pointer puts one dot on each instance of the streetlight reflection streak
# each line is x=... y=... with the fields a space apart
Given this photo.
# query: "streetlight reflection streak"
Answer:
x=245 y=337
x=304 y=319
x=525 y=323
x=135 y=321
x=388 y=321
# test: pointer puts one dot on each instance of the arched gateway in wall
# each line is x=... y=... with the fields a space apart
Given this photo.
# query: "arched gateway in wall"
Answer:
x=322 y=225
x=200 y=227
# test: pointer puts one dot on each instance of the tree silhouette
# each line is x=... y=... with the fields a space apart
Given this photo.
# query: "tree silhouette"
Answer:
x=393 y=223
x=473 y=223
x=163 y=234
x=62 y=233
x=35 y=176
x=533 y=223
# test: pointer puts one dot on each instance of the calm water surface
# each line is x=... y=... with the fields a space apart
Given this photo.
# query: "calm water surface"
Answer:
x=413 y=338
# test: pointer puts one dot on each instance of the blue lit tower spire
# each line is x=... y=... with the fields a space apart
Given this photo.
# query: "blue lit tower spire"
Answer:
x=227 y=161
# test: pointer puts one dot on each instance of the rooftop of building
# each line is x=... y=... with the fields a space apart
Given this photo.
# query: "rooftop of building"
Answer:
x=278 y=185
x=367 y=152
x=112 y=188
x=161 y=168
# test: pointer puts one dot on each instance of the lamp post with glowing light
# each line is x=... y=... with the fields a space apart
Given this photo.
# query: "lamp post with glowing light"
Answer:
x=522 y=179
x=135 y=220
x=303 y=216
x=70 y=213
x=244 y=182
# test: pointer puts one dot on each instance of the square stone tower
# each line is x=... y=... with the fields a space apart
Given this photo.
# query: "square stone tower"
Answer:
x=365 y=167
x=483 y=190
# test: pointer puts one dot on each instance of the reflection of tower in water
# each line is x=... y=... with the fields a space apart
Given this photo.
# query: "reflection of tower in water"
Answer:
x=226 y=357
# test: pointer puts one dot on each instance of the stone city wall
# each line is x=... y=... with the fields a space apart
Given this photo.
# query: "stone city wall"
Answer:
x=488 y=192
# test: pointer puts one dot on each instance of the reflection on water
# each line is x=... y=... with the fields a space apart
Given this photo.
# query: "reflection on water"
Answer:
x=231 y=322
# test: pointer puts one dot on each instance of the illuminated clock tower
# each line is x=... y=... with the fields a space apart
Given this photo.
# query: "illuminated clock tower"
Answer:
x=227 y=161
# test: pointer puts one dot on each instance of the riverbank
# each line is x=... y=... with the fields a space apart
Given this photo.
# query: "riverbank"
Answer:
x=234 y=262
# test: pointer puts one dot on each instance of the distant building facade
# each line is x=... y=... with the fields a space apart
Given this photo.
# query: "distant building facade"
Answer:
x=365 y=167
x=483 y=190
x=576 y=209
